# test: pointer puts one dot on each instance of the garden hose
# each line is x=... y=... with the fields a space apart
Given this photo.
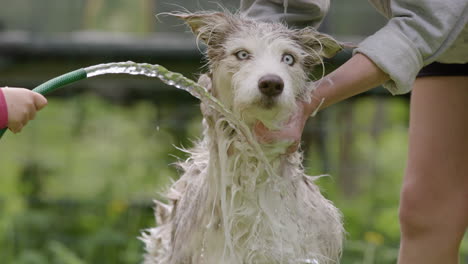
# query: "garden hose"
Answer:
x=55 y=83
x=170 y=78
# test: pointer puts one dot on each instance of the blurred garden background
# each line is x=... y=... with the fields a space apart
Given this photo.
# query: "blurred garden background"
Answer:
x=76 y=186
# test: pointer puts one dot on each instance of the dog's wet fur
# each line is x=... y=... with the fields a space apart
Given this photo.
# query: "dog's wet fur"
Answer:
x=230 y=206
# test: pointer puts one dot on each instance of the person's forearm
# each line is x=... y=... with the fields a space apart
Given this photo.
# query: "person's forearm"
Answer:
x=357 y=75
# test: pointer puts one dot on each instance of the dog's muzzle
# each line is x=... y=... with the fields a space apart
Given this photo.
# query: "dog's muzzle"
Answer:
x=271 y=85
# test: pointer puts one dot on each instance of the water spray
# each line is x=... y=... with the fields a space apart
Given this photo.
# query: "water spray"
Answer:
x=157 y=71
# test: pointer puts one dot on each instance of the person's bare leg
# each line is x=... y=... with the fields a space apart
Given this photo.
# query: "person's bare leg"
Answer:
x=434 y=198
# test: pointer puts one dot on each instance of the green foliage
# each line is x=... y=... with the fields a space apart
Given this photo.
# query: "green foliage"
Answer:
x=76 y=185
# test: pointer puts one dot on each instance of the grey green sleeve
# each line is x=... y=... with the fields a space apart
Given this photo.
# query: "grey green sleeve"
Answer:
x=297 y=13
x=417 y=34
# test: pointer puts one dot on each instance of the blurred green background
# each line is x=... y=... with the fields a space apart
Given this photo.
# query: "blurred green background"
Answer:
x=76 y=186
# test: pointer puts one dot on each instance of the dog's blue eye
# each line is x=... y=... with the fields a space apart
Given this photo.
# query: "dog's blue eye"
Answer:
x=288 y=59
x=242 y=55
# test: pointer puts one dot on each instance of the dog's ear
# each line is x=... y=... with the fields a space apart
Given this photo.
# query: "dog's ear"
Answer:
x=210 y=27
x=323 y=44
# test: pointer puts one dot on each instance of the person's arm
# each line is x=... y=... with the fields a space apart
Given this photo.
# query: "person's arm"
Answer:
x=416 y=35
x=357 y=75
x=21 y=106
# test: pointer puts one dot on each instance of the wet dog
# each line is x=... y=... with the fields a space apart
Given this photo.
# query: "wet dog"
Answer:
x=235 y=204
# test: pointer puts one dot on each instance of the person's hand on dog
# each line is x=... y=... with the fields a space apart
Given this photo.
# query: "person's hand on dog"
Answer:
x=22 y=105
x=292 y=129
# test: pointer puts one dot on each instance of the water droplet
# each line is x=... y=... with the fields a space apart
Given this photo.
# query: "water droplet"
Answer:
x=310 y=261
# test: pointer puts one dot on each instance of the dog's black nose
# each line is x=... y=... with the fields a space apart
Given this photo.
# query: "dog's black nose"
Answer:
x=271 y=85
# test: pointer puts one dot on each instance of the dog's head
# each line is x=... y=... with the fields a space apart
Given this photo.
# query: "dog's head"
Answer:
x=258 y=69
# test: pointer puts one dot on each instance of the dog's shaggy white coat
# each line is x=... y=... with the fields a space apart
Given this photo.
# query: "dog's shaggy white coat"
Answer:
x=233 y=205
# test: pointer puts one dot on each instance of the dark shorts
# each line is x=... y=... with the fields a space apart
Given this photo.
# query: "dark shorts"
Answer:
x=442 y=69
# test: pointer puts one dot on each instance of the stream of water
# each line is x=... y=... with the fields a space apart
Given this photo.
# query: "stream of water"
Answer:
x=180 y=82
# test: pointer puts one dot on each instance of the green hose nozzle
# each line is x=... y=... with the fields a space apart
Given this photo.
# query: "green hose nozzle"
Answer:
x=55 y=83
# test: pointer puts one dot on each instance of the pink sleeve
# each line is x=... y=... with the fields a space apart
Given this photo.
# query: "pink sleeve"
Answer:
x=3 y=111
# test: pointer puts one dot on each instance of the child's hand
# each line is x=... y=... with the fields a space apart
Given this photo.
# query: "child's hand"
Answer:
x=22 y=105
